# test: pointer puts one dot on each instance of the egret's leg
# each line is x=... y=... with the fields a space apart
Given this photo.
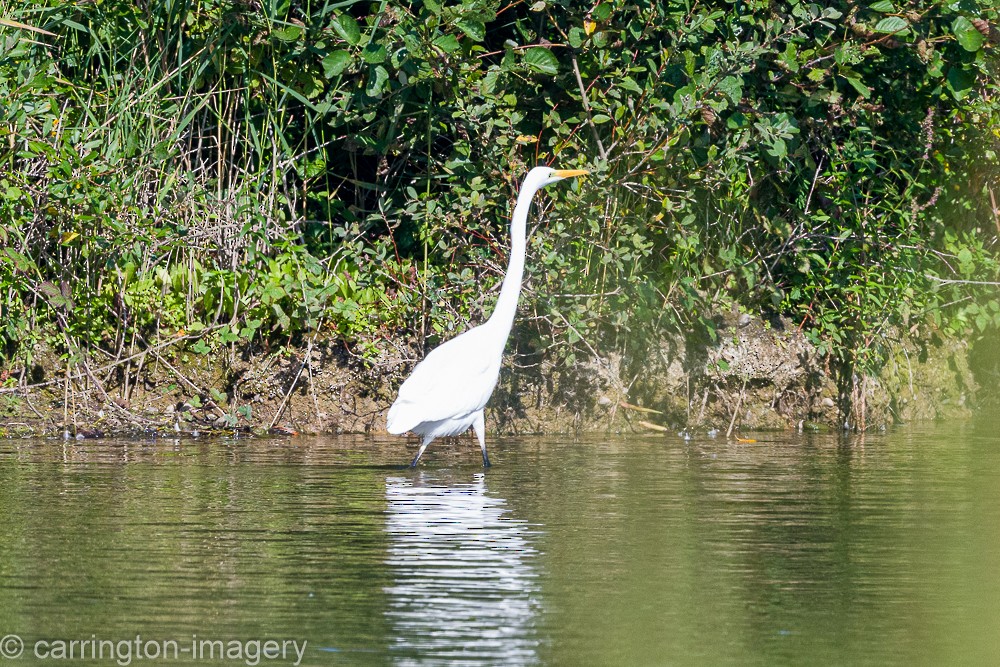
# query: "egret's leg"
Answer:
x=480 y=428
x=420 y=452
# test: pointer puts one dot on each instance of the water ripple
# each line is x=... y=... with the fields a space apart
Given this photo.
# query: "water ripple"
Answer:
x=465 y=588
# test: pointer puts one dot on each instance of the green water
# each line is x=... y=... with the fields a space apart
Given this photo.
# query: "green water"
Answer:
x=599 y=551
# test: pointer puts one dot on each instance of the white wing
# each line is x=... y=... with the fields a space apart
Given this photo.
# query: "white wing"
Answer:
x=455 y=379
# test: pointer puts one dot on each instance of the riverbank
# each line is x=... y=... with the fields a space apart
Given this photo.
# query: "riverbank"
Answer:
x=759 y=375
x=188 y=197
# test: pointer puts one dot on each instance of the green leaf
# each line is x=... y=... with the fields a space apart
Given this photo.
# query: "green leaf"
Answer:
x=374 y=54
x=967 y=35
x=335 y=63
x=965 y=256
x=601 y=12
x=74 y=25
x=474 y=30
x=376 y=84
x=541 y=60
x=288 y=33
x=960 y=81
x=883 y=7
x=447 y=43
x=732 y=87
x=272 y=293
x=21 y=262
x=857 y=84
x=892 y=25
x=345 y=26
x=628 y=83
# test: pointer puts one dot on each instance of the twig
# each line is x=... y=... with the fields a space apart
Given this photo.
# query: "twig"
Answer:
x=66 y=397
x=81 y=375
x=638 y=408
x=739 y=401
x=996 y=211
x=704 y=404
x=945 y=281
x=312 y=384
x=192 y=385
x=288 y=394
x=586 y=107
x=653 y=427
x=812 y=188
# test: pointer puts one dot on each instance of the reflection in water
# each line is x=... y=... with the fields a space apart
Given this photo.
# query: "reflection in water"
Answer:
x=465 y=588
x=795 y=549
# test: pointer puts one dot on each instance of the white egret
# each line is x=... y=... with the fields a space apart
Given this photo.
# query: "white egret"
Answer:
x=447 y=391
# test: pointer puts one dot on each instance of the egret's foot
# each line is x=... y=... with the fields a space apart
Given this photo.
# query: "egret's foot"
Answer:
x=486 y=460
x=420 y=452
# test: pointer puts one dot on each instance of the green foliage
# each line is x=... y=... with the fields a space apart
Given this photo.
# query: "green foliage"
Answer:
x=255 y=171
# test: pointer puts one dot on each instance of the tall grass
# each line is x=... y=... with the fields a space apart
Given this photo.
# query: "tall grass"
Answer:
x=247 y=172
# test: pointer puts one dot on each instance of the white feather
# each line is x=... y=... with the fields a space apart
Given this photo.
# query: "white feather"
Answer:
x=447 y=391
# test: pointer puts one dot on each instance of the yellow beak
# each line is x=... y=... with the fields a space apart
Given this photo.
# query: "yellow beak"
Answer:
x=569 y=173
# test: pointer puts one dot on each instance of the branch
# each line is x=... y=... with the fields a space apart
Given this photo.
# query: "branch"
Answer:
x=945 y=281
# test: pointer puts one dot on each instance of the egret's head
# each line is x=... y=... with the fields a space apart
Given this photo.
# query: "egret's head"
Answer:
x=539 y=177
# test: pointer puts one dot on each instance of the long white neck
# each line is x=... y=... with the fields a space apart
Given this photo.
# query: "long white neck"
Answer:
x=502 y=318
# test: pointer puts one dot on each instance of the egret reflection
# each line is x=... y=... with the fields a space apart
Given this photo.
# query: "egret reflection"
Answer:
x=464 y=586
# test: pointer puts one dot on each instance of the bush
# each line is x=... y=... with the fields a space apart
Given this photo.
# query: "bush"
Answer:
x=253 y=171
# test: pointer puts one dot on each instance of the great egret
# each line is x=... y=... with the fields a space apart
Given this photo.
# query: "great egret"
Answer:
x=447 y=391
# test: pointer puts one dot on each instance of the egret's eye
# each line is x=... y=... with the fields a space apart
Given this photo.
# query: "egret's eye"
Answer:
x=447 y=391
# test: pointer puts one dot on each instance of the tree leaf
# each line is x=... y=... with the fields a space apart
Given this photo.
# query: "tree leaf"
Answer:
x=376 y=83
x=474 y=30
x=348 y=29
x=335 y=63
x=374 y=54
x=541 y=60
x=967 y=35
x=960 y=81
x=859 y=86
x=883 y=7
x=602 y=12
x=447 y=43
x=892 y=25
x=56 y=297
x=287 y=33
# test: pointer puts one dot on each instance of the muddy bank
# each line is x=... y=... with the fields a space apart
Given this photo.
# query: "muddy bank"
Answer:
x=758 y=375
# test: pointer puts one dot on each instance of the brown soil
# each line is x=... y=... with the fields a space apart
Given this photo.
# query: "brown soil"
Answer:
x=759 y=375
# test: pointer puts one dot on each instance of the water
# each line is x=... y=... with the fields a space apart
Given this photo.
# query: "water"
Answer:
x=600 y=551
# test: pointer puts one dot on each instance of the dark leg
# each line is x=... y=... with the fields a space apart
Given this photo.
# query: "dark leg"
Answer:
x=420 y=452
x=479 y=426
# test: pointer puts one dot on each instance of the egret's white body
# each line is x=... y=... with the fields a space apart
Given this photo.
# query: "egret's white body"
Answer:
x=448 y=390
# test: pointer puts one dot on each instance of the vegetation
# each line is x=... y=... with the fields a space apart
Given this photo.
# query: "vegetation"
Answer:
x=224 y=172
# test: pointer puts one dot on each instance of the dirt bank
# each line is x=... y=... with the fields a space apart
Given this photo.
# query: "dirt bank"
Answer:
x=758 y=375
